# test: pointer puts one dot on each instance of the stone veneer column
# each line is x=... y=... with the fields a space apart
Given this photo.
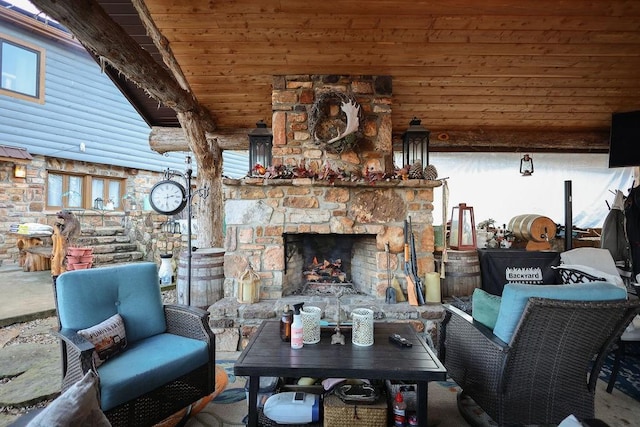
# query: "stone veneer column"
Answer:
x=293 y=99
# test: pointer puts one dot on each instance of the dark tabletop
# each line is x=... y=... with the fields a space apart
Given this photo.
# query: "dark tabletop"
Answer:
x=267 y=355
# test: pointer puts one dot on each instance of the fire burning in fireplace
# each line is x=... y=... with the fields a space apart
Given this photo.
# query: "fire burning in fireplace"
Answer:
x=325 y=272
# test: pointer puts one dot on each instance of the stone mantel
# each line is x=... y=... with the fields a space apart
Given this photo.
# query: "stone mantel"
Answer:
x=394 y=183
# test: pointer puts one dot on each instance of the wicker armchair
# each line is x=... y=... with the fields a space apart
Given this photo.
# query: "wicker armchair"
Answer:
x=549 y=368
x=155 y=370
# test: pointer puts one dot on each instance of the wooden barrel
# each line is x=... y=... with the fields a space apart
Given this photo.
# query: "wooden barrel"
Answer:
x=533 y=228
x=207 y=277
x=461 y=274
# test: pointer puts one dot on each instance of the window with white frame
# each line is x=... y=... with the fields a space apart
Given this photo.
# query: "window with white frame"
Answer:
x=72 y=191
x=21 y=69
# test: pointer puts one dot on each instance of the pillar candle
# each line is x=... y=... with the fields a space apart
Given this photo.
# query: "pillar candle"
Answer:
x=432 y=281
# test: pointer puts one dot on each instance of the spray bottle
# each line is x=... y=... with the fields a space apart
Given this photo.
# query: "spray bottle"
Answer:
x=296 y=327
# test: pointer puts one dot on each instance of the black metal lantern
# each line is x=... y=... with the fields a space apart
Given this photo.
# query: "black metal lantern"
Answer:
x=260 y=143
x=415 y=143
x=98 y=203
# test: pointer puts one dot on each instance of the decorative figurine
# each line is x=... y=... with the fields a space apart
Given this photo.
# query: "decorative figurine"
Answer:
x=338 y=338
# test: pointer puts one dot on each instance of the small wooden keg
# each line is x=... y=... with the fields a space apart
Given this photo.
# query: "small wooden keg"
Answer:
x=536 y=230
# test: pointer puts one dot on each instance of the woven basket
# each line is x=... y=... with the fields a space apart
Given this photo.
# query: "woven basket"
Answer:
x=340 y=414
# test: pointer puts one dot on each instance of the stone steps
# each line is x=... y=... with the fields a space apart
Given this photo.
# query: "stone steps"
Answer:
x=110 y=245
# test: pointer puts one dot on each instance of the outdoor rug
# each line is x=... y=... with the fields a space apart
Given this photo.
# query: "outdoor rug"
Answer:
x=628 y=378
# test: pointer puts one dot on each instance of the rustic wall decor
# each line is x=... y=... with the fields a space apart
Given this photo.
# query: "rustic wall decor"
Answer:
x=335 y=131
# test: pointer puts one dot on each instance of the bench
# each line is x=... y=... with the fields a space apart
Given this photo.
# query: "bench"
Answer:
x=37 y=258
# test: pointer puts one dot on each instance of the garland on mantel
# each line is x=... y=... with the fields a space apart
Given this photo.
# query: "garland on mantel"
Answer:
x=327 y=173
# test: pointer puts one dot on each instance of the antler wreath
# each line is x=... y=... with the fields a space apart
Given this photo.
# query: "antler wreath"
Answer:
x=326 y=130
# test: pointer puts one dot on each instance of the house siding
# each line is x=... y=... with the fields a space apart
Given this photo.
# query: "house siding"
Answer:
x=82 y=105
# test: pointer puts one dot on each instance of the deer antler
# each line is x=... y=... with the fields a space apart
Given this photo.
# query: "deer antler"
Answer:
x=351 y=109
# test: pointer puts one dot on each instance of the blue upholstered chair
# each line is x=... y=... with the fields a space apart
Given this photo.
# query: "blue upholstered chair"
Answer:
x=166 y=360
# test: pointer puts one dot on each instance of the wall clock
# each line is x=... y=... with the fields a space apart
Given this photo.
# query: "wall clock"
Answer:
x=168 y=197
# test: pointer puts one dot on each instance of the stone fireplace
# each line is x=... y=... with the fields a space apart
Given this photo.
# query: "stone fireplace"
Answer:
x=346 y=192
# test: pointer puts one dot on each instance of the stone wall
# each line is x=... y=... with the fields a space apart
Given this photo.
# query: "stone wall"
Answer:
x=340 y=185
x=24 y=200
x=258 y=212
x=307 y=112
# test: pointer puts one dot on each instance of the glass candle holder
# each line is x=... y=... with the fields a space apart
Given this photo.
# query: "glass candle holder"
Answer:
x=310 y=324
x=362 y=330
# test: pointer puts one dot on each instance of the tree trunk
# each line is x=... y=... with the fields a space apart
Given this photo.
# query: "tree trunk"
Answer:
x=209 y=209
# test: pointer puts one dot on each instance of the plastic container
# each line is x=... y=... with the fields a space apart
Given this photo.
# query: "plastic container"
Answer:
x=399 y=411
x=293 y=408
x=297 y=334
x=266 y=389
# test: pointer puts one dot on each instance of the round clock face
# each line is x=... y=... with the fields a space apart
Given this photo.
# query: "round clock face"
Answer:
x=168 y=197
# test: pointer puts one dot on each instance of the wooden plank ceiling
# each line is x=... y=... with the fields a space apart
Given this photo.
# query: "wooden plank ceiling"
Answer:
x=465 y=67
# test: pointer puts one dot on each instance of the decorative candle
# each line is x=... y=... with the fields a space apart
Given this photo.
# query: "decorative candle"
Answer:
x=432 y=281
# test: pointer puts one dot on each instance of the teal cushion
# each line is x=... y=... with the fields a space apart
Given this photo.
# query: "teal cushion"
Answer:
x=485 y=307
x=516 y=295
x=147 y=365
x=88 y=297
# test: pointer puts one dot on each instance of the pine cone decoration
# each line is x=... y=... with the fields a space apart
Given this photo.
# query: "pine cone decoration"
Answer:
x=430 y=172
x=415 y=171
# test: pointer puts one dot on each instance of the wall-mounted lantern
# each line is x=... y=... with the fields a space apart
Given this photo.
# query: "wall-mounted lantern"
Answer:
x=463 y=229
x=260 y=143
x=19 y=170
x=415 y=143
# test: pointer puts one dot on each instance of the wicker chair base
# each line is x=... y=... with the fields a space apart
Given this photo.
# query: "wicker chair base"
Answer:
x=162 y=402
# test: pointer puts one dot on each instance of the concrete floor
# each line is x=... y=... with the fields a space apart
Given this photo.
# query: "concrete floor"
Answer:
x=27 y=295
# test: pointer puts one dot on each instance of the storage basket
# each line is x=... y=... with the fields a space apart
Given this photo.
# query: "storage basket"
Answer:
x=339 y=414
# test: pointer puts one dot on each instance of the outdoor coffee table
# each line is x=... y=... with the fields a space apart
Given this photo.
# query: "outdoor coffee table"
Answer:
x=267 y=355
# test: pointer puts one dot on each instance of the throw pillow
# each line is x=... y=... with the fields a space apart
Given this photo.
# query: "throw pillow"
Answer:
x=77 y=406
x=108 y=337
x=485 y=307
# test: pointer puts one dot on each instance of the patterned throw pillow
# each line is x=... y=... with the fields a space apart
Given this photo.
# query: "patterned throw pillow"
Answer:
x=108 y=337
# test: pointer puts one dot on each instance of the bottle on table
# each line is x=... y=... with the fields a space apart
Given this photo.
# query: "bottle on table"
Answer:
x=285 y=323
x=296 y=327
x=399 y=411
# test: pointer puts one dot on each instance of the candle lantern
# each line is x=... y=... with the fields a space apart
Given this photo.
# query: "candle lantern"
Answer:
x=98 y=203
x=260 y=143
x=463 y=228
x=248 y=286
x=415 y=143
x=526 y=165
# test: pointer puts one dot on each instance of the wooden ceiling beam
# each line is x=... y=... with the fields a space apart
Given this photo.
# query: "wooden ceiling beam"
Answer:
x=166 y=139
